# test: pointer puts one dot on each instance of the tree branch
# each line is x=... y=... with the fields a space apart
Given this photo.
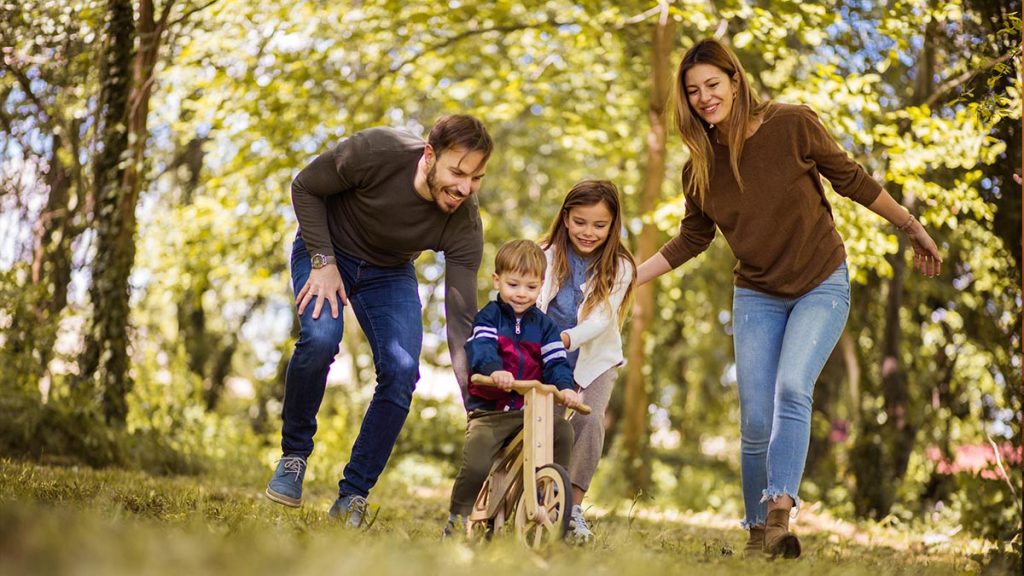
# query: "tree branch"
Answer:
x=966 y=77
x=643 y=15
x=462 y=36
x=1002 y=469
x=188 y=13
x=26 y=86
x=445 y=43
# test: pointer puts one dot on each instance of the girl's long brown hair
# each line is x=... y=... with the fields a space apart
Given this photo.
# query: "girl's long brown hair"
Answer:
x=604 y=269
x=696 y=132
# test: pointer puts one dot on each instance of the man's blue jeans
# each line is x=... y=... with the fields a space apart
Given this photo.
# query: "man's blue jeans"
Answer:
x=386 y=303
x=781 y=346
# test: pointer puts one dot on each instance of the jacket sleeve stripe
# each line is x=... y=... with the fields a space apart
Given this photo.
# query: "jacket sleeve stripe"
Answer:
x=554 y=354
x=482 y=332
x=556 y=345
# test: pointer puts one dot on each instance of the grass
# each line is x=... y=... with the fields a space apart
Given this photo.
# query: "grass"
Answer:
x=74 y=520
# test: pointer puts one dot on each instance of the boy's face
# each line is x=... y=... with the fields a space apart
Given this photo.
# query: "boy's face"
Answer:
x=518 y=290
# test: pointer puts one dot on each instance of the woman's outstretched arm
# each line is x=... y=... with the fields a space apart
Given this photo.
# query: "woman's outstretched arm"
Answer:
x=926 y=254
x=652 y=268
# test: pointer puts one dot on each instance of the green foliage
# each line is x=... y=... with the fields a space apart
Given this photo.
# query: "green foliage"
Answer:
x=435 y=429
x=55 y=432
x=20 y=329
x=60 y=432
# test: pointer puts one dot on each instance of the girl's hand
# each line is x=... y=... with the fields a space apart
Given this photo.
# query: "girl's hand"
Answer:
x=571 y=398
x=926 y=253
x=503 y=379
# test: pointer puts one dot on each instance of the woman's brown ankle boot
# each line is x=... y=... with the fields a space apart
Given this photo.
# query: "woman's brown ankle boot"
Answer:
x=755 y=542
x=778 y=541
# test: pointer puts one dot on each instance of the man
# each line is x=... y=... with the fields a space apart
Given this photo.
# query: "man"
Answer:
x=366 y=209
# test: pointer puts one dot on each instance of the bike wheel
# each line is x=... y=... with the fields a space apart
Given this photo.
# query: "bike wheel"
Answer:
x=554 y=505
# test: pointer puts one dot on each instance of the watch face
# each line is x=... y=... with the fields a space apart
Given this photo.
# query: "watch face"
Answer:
x=319 y=261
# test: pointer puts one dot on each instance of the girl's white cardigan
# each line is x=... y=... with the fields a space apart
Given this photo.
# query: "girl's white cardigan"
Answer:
x=597 y=337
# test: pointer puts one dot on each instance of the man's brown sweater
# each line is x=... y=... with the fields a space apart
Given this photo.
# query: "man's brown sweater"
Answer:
x=359 y=197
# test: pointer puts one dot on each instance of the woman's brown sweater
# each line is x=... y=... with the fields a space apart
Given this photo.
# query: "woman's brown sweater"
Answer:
x=780 y=227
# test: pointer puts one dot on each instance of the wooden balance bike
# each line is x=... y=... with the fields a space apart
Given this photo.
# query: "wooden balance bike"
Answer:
x=524 y=482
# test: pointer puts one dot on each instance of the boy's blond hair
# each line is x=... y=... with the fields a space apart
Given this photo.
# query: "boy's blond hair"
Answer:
x=520 y=256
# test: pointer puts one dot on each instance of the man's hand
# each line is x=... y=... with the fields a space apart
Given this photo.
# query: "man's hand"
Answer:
x=323 y=284
x=571 y=398
x=503 y=379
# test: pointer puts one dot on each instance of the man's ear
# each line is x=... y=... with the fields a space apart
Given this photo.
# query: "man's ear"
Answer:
x=429 y=156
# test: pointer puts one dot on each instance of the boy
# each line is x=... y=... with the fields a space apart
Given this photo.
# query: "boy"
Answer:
x=512 y=340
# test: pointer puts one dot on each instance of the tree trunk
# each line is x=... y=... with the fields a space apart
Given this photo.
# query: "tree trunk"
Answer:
x=894 y=380
x=272 y=391
x=51 y=262
x=883 y=451
x=849 y=351
x=104 y=363
x=34 y=331
x=118 y=183
x=635 y=418
x=220 y=369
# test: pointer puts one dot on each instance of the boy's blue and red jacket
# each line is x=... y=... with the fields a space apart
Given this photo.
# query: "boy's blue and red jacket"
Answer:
x=529 y=347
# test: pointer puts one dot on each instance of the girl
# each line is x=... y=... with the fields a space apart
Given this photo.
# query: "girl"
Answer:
x=753 y=173
x=587 y=288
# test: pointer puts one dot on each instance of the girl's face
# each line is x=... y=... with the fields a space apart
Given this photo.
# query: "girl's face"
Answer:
x=588 y=227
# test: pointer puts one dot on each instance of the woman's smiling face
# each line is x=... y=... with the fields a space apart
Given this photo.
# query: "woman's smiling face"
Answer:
x=710 y=92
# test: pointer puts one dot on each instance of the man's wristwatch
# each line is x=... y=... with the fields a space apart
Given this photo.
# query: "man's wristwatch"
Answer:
x=321 y=260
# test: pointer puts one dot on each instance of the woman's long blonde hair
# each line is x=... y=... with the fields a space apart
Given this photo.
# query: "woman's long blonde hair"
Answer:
x=604 y=269
x=696 y=132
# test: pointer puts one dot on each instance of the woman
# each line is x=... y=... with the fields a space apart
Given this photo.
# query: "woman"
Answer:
x=754 y=173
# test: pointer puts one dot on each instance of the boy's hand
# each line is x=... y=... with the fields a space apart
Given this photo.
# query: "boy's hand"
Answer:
x=571 y=398
x=503 y=379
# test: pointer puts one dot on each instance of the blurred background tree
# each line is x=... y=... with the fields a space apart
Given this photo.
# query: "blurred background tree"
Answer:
x=148 y=149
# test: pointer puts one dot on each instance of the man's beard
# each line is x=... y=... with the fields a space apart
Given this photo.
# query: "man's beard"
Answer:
x=432 y=188
x=436 y=193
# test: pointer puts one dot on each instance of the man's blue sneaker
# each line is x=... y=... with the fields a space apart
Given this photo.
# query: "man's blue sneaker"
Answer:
x=286 y=485
x=351 y=509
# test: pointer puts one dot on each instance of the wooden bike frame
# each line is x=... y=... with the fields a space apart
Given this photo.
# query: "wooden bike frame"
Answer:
x=515 y=471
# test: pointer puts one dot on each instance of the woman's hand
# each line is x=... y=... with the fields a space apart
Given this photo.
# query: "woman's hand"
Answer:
x=926 y=253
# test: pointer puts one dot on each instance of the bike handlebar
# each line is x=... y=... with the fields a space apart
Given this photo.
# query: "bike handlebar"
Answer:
x=526 y=385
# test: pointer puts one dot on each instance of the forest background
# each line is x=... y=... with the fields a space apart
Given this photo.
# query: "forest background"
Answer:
x=146 y=152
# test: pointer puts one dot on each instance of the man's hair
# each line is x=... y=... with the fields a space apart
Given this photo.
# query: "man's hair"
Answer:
x=460 y=131
x=522 y=257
